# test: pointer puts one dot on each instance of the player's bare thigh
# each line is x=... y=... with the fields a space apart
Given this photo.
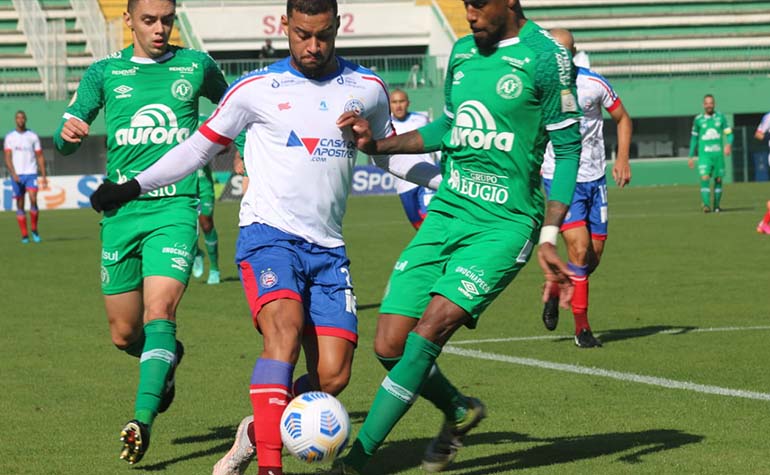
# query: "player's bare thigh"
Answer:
x=392 y=331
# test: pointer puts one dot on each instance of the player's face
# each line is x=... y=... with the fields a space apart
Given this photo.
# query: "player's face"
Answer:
x=311 y=42
x=399 y=105
x=21 y=121
x=487 y=19
x=708 y=105
x=151 y=22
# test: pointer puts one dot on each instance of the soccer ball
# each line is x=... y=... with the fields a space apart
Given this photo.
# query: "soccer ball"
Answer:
x=315 y=427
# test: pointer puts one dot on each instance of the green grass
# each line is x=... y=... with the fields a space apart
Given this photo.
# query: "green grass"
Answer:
x=667 y=267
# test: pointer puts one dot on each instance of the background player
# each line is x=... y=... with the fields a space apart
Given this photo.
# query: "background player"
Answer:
x=761 y=134
x=24 y=160
x=414 y=198
x=291 y=255
x=146 y=246
x=206 y=223
x=711 y=142
x=585 y=228
x=516 y=82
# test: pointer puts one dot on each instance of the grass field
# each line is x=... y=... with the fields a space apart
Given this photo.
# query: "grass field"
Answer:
x=681 y=385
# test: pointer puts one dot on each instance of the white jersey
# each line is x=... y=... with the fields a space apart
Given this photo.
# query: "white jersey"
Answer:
x=299 y=162
x=764 y=126
x=412 y=121
x=24 y=147
x=594 y=93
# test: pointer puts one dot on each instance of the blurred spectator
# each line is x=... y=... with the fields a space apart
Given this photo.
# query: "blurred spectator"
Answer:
x=267 y=50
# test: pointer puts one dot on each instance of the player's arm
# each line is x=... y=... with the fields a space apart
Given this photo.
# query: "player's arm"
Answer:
x=82 y=110
x=693 y=144
x=212 y=137
x=214 y=82
x=621 y=171
x=728 y=135
x=9 y=164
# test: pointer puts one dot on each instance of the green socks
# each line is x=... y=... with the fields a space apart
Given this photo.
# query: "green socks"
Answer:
x=156 y=361
x=705 y=192
x=135 y=348
x=717 y=193
x=438 y=390
x=394 y=397
x=212 y=248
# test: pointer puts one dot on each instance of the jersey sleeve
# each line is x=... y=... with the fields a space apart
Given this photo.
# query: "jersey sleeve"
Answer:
x=610 y=99
x=727 y=130
x=214 y=82
x=764 y=124
x=694 y=138
x=555 y=80
x=85 y=104
x=36 y=144
x=233 y=113
x=379 y=115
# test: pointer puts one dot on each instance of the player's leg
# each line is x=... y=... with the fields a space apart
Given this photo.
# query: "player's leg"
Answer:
x=197 y=268
x=764 y=225
x=476 y=273
x=31 y=186
x=719 y=173
x=704 y=170
x=410 y=201
x=211 y=240
x=273 y=279
x=21 y=217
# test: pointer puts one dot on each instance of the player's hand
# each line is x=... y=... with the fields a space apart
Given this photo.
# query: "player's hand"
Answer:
x=111 y=196
x=728 y=150
x=362 y=133
x=556 y=273
x=238 y=167
x=691 y=162
x=621 y=172
x=44 y=183
x=74 y=130
x=15 y=177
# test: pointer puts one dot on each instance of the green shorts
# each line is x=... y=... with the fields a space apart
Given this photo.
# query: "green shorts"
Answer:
x=206 y=192
x=711 y=165
x=466 y=263
x=148 y=238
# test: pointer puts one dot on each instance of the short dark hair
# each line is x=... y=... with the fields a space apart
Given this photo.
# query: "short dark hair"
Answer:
x=311 y=7
x=132 y=4
x=21 y=112
x=707 y=96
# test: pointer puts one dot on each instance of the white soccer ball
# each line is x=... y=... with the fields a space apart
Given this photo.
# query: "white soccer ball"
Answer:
x=315 y=427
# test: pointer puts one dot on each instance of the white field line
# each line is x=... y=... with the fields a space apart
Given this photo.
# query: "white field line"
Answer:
x=673 y=331
x=630 y=377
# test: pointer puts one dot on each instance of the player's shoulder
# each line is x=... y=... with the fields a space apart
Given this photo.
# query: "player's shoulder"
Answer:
x=539 y=40
x=255 y=78
x=700 y=117
x=193 y=54
x=354 y=69
x=592 y=75
x=418 y=117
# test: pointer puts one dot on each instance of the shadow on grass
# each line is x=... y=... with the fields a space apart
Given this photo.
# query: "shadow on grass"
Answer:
x=368 y=306
x=224 y=434
x=628 y=447
x=609 y=336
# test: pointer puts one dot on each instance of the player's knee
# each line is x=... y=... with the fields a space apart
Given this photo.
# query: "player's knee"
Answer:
x=385 y=347
x=207 y=225
x=334 y=381
x=123 y=341
x=718 y=181
x=705 y=177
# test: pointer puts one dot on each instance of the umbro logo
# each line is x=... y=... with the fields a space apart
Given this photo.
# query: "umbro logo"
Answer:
x=123 y=91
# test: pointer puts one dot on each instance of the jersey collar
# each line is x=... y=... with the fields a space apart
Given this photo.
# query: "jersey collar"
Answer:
x=329 y=76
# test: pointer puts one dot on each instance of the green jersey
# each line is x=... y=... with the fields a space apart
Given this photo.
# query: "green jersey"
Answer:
x=151 y=105
x=709 y=133
x=500 y=109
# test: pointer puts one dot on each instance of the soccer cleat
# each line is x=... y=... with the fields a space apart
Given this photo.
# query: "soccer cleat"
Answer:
x=442 y=450
x=197 y=270
x=763 y=228
x=25 y=240
x=551 y=313
x=717 y=209
x=170 y=390
x=213 y=277
x=706 y=209
x=36 y=237
x=135 y=437
x=586 y=339
x=237 y=460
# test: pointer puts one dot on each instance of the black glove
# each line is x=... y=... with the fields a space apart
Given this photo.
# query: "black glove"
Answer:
x=111 y=196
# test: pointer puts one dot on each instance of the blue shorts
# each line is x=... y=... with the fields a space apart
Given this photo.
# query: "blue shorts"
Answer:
x=415 y=202
x=26 y=183
x=276 y=265
x=588 y=208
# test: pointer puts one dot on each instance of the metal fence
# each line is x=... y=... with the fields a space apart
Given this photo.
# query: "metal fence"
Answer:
x=407 y=71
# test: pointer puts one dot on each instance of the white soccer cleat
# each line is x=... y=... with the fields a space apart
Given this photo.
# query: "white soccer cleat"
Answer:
x=237 y=460
x=197 y=270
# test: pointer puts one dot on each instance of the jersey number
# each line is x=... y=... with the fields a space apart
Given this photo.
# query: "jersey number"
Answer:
x=350 y=299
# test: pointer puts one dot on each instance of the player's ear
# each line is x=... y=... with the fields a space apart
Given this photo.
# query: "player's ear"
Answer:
x=127 y=20
x=285 y=24
x=337 y=26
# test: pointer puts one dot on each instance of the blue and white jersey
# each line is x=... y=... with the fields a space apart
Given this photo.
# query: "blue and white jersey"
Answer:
x=23 y=147
x=412 y=121
x=594 y=93
x=764 y=126
x=299 y=162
